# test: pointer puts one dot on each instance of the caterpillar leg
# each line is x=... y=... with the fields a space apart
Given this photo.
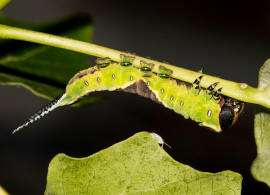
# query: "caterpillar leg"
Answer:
x=198 y=80
x=210 y=89
x=217 y=95
x=196 y=84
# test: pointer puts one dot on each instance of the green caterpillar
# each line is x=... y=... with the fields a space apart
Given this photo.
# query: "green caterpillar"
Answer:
x=206 y=106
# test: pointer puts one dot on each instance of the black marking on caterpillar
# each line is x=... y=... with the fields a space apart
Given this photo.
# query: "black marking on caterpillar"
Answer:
x=217 y=94
x=126 y=60
x=103 y=62
x=145 y=66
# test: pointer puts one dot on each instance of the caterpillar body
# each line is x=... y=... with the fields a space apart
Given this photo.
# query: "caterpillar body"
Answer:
x=206 y=106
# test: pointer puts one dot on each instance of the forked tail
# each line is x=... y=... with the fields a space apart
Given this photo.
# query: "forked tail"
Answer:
x=38 y=115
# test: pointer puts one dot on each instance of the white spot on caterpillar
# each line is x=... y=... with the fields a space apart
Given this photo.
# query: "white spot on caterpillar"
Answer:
x=162 y=91
x=86 y=83
x=209 y=113
x=113 y=76
x=181 y=103
x=171 y=98
x=159 y=140
x=98 y=79
x=131 y=78
x=148 y=83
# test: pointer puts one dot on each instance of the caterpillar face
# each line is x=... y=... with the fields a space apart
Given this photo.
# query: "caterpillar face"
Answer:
x=229 y=113
x=204 y=105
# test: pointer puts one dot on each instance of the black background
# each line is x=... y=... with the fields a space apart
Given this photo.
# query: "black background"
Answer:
x=230 y=39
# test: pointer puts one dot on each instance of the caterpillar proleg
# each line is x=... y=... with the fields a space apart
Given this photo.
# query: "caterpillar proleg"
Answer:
x=207 y=106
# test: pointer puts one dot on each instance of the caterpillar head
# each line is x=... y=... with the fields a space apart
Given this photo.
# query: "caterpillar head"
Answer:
x=230 y=110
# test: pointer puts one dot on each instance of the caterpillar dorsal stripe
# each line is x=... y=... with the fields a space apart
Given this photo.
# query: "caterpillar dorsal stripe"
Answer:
x=206 y=106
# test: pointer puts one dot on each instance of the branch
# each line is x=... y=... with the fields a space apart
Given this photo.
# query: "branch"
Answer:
x=240 y=91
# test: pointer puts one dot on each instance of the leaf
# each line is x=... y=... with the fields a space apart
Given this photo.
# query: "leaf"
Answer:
x=137 y=165
x=44 y=70
x=260 y=168
x=2 y=191
x=3 y=3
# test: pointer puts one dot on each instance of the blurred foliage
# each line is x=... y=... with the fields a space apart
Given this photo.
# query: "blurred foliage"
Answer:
x=2 y=191
x=44 y=70
x=261 y=166
x=3 y=3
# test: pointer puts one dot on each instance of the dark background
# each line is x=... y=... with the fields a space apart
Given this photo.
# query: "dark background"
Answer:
x=226 y=39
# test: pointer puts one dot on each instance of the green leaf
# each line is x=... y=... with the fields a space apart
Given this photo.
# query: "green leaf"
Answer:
x=260 y=168
x=3 y=3
x=42 y=69
x=137 y=165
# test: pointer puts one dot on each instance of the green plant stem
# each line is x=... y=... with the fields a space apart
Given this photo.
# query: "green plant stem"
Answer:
x=232 y=89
